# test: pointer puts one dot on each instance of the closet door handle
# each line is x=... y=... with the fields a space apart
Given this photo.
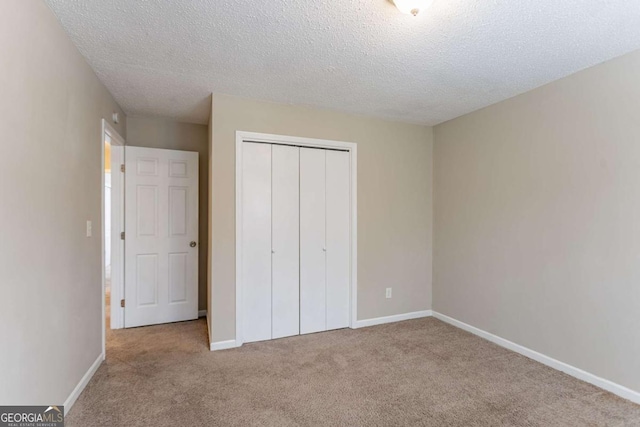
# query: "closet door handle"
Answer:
x=273 y=251
x=324 y=249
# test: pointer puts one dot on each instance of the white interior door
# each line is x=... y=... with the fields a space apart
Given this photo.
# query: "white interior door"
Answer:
x=338 y=236
x=256 y=242
x=161 y=235
x=312 y=241
x=285 y=211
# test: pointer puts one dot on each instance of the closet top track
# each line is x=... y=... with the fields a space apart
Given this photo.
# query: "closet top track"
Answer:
x=294 y=145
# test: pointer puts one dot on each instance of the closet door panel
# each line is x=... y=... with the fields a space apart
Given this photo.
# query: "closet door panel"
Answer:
x=256 y=242
x=337 y=237
x=312 y=241
x=285 y=211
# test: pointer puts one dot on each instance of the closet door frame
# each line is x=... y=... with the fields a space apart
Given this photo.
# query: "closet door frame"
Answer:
x=241 y=138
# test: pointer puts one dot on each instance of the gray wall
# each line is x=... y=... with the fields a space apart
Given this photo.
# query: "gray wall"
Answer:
x=537 y=220
x=394 y=202
x=50 y=179
x=167 y=134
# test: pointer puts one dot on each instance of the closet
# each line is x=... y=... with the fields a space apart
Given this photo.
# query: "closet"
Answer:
x=295 y=223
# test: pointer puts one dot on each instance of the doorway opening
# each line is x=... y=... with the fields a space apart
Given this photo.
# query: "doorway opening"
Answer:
x=112 y=223
x=107 y=227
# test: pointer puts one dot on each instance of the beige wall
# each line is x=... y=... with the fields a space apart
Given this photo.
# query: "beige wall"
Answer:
x=394 y=202
x=170 y=135
x=50 y=180
x=210 y=220
x=537 y=220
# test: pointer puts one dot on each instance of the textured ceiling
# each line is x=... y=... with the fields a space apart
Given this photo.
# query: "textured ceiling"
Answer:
x=164 y=57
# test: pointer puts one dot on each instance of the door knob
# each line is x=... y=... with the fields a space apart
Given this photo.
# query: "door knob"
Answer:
x=193 y=244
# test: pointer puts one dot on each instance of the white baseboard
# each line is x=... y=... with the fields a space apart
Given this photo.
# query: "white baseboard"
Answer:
x=82 y=384
x=578 y=373
x=223 y=345
x=391 y=319
x=202 y=313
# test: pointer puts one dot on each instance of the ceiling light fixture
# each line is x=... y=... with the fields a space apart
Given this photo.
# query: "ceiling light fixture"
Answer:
x=413 y=7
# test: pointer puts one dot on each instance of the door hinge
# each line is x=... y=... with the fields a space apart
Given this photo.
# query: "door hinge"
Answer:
x=122 y=168
x=122 y=303
x=122 y=235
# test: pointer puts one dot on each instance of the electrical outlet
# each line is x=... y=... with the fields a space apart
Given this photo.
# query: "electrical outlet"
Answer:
x=388 y=293
x=89 y=229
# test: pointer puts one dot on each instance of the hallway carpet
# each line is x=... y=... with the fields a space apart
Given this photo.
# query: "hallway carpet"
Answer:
x=414 y=373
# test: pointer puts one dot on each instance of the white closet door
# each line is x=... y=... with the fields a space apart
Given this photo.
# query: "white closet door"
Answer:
x=337 y=236
x=312 y=241
x=256 y=242
x=285 y=211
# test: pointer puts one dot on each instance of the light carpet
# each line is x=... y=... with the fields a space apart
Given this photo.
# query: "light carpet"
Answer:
x=414 y=373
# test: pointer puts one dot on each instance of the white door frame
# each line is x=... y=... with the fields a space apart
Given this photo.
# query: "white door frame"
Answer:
x=117 y=251
x=351 y=147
